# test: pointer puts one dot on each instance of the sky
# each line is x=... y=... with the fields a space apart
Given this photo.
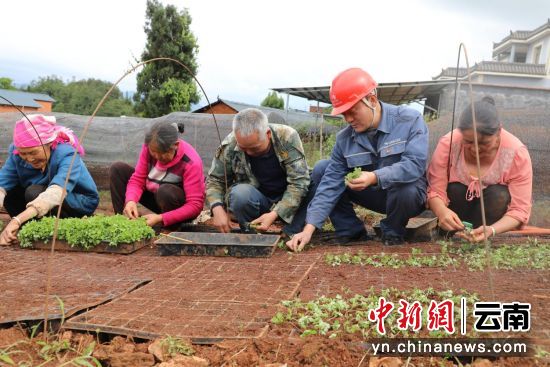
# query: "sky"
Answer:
x=247 y=47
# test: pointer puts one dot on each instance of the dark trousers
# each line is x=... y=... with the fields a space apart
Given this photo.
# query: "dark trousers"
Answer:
x=167 y=198
x=17 y=199
x=399 y=203
x=247 y=203
x=495 y=197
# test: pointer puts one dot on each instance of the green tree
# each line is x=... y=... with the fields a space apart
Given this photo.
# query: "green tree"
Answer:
x=164 y=86
x=273 y=100
x=6 y=83
x=82 y=96
x=53 y=86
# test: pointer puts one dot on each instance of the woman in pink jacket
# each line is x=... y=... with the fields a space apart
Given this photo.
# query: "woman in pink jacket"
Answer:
x=168 y=179
x=506 y=176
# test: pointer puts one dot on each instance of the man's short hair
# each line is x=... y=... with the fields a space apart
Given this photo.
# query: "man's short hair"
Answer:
x=249 y=121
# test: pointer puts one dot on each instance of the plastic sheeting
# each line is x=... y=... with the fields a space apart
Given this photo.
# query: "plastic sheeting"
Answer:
x=112 y=139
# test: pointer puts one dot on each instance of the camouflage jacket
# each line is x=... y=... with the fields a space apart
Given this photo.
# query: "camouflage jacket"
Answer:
x=290 y=152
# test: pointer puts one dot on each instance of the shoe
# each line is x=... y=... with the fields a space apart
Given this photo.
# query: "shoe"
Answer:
x=392 y=241
x=348 y=240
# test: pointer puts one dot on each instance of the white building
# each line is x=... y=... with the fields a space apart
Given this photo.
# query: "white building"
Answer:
x=521 y=59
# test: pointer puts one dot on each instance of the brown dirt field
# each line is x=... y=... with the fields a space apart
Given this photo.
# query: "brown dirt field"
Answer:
x=206 y=297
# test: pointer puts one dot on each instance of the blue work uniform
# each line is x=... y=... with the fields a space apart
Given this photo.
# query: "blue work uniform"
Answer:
x=398 y=158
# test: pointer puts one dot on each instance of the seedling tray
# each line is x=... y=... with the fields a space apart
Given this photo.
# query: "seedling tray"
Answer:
x=121 y=248
x=217 y=244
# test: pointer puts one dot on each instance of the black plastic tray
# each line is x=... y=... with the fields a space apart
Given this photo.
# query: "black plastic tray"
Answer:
x=121 y=248
x=217 y=244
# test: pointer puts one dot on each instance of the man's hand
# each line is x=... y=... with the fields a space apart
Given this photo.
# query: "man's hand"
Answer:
x=449 y=220
x=221 y=219
x=264 y=221
x=131 y=210
x=362 y=182
x=152 y=219
x=9 y=234
x=299 y=240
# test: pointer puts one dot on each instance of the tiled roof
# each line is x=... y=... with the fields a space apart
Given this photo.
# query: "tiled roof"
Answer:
x=522 y=35
x=496 y=67
x=510 y=67
x=292 y=116
x=451 y=72
x=23 y=99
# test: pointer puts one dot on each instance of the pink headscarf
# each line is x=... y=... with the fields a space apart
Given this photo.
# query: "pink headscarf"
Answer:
x=24 y=135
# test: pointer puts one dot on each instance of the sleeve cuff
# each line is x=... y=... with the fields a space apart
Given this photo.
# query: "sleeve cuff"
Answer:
x=2 y=196
x=381 y=178
x=219 y=203
x=47 y=200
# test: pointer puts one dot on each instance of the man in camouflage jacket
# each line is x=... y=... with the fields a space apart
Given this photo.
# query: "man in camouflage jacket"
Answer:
x=267 y=174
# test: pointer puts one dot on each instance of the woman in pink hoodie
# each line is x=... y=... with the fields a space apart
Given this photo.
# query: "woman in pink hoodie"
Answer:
x=168 y=179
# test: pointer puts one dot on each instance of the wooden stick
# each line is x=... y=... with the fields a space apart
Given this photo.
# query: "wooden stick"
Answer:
x=176 y=238
x=362 y=359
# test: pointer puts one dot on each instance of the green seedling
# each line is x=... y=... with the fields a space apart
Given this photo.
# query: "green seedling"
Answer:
x=540 y=352
x=86 y=232
x=415 y=259
x=356 y=173
x=505 y=256
x=531 y=256
x=343 y=315
x=174 y=346
x=468 y=227
x=5 y=357
x=84 y=358
x=52 y=349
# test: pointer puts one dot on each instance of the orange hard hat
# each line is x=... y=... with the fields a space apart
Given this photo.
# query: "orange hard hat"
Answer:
x=348 y=88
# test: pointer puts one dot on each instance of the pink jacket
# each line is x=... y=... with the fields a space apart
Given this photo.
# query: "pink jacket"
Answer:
x=511 y=167
x=186 y=167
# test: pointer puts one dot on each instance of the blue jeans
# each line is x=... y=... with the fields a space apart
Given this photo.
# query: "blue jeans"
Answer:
x=399 y=203
x=247 y=203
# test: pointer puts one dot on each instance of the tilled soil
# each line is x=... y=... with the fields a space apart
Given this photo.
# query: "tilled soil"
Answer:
x=234 y=299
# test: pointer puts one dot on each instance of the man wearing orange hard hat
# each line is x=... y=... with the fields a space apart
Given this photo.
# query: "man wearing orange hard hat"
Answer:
x=389 y=144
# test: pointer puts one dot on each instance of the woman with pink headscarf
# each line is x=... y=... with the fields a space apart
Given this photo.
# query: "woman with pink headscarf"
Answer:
x=33 y=177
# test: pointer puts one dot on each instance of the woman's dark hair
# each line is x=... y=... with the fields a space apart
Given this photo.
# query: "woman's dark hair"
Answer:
x=487 y=119
x=164 y=134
